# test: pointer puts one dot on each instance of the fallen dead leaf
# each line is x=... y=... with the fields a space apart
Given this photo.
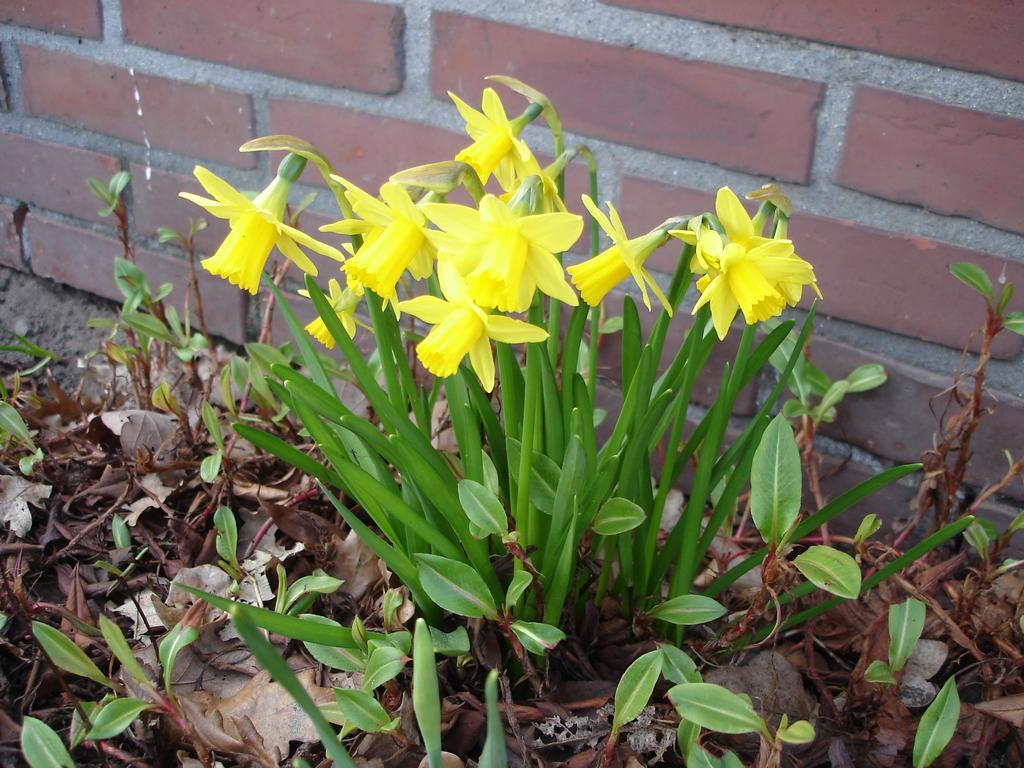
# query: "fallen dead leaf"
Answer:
x=1008 y=708
x=16 y=494
x=355 y=565
x=140 y=431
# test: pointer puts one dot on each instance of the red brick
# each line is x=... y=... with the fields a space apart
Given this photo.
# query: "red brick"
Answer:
x=981 y=35
x=896 y=282
x=950 y=160
x=53 y=176
x=752 y=121
x=68 y=17
x=364 y=148
x=10 y=238
x=198 y=120
x=898 y=420
x=155 y=204
x=332 y=42
x=85 y=260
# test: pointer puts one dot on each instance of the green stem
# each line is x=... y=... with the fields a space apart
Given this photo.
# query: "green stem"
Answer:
x=525 y=514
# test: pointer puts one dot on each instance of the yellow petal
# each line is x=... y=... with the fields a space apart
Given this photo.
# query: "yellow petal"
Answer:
x=734 y=216
x=555 y=232
x=599 y=217
x=220 y=210
x=549 y=276
x=508 y=330
x=288 y=247
x=459 y=220
x=311 y=242
x=429 y=309
x=482 y=360
x=220 y=190
x=476 y=122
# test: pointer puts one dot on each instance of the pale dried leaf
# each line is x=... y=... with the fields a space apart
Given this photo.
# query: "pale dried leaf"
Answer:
x=16 y=493
x=1008 y=708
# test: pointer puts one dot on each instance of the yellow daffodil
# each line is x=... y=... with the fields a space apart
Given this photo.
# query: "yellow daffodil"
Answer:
x=549 y=201
x=745 y=272
x=395 y=238
x=256 y=227
x=461 y=327
x=344 y=302
x=595 y=277
x=496 y=148
x=506 y=257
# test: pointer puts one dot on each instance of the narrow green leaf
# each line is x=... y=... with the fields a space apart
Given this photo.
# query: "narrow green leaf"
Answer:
x=179 y=637
x=495 y=754
x=868 y=527
x=227 y=534
x=119 y=647
x=113 y=717
x=426 y=699
x=906 y=622
x=279 y=670
x=65 y=654
x=974 y=277
x=348 y=657
x=456 y=587
x=866 y=377
x=42 y=747
x=677 y=666
x=12 y=423
x=937 y=726
x=618 y=515
x=715 y=708
x=775 y=481
x=1014 y=321
x=521 y=581
x=831 y=570
x=688 y=610
x=635 y=688
x=537 y=637
x=483 y=508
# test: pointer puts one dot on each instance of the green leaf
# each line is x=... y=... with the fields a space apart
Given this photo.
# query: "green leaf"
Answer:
x=181 y=636
x=279 y=670
x=361 y=710
x=617 y=515
x=454 y=643
x=831 y=570
x=212 y=425
x=385 y=663
x=119 y=529
x=483 y=508
x=426 y=699
x=868 y=527
x=521 y=581
x=974 y=277
x=937 y=726
x=715 y=708
x=1014 y=321
x=775 y=480
x=114 y=717
x=544 y=474
x=494 y=755
x=42 y=747
x=346 y=657
x=677 y=666
x=798 y=732
x=455 y=587
x=119 y=647
x=635 y=688
x=688 y=610
x=866 y=377
x=65 y=654
x=227 y=534
x=537 y=637
x=210 y=467
x=318 y=583
x=906 y=622
x=879 y=672
x=12 y=423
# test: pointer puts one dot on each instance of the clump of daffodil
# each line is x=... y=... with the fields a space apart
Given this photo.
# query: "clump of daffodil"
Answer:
x=462 y=328
x=595 y=277
x=496 y=148
x=395 y=238
x=505 y=255
x=744 y=272
x=344 y=302
x=256 y=227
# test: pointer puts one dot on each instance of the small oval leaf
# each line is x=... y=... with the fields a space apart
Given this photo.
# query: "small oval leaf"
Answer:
x=483 y=508
x=537 y=637
x=65 y=654
x=775 y=482
x=635 y=688
x=688 y=610
x=906 y=622
x=937 y=726
x=618 y=515
x=42 y=747
x=831 y=570
x=715 y=708
x=456 y=587
x=114 y=717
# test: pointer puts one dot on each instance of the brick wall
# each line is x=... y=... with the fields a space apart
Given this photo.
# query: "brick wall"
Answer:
x=898 y=134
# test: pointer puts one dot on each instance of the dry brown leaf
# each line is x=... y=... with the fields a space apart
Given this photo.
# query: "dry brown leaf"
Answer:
x=16 y=493
x=1008 y=708
x=355 y=565
x=140 y=431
